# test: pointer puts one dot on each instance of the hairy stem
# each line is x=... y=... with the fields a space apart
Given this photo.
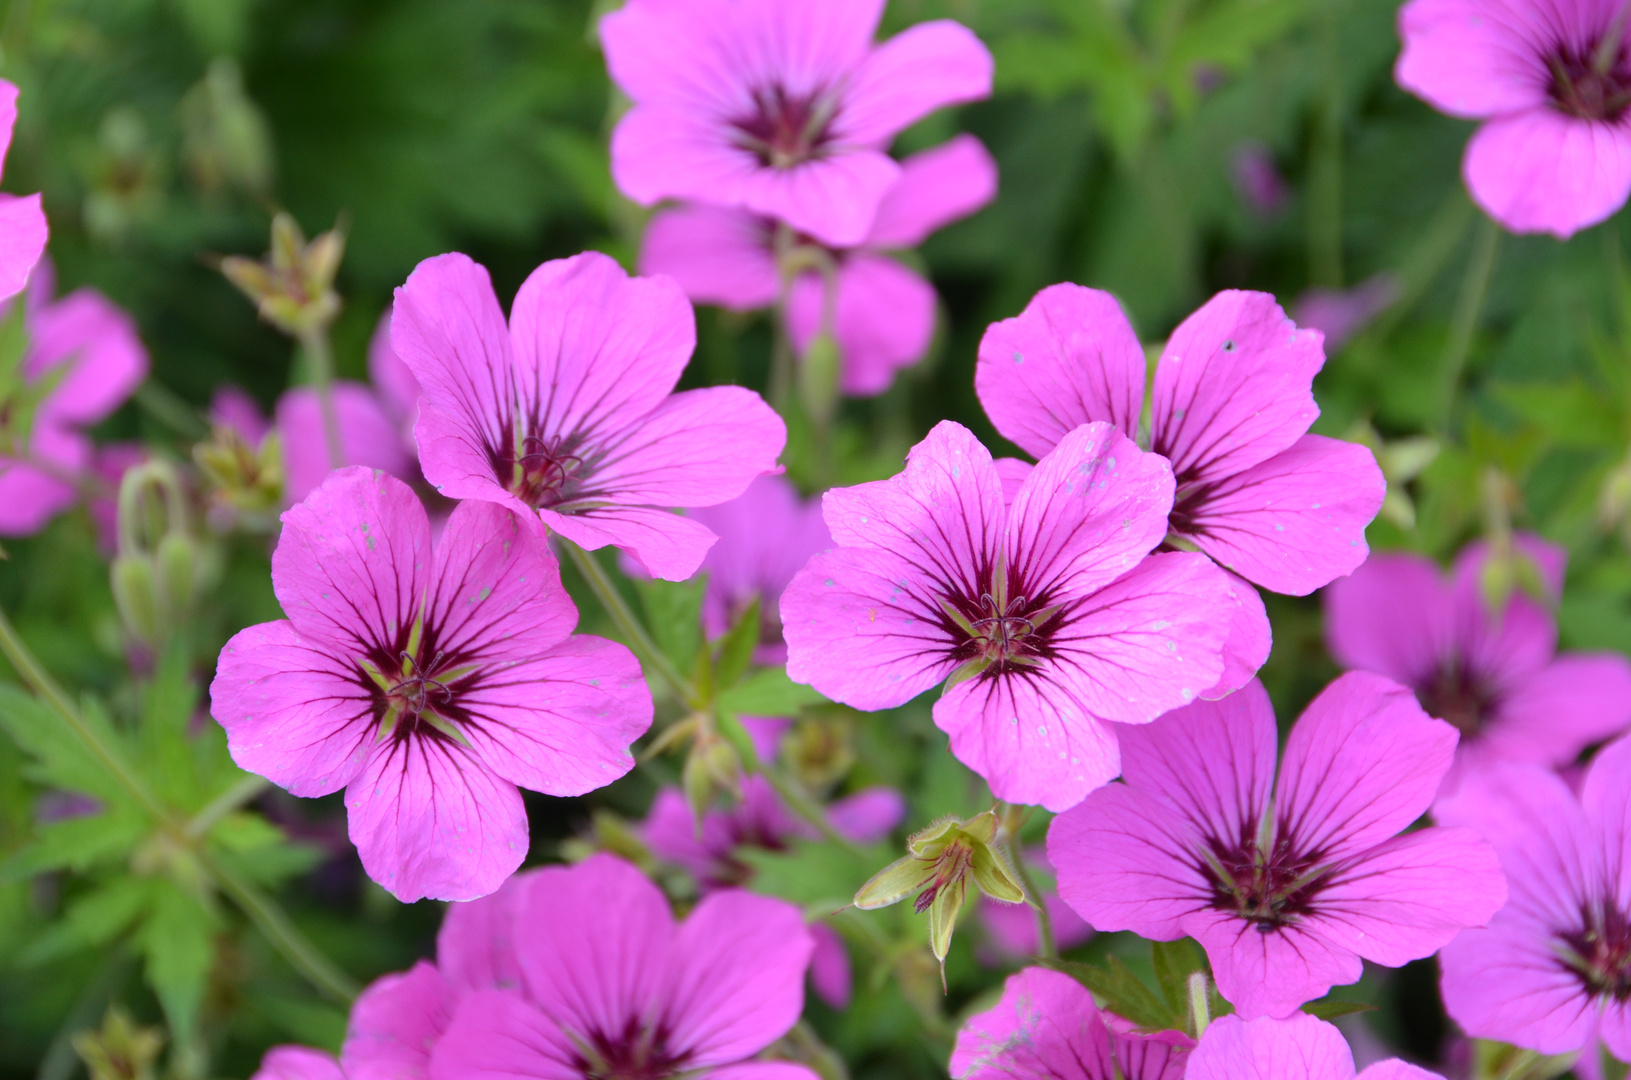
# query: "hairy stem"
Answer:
x=628 y=624
x=321 y=358
x=1044 y=922
x=1469 y=306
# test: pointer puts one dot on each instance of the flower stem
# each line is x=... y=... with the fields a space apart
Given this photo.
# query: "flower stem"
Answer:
x=804 y=807
x=781 y=346
x=321 y=358
x=628 y=624
x=1044 y=922
x=1469 y=305
x=225 y=803
x=270 y=919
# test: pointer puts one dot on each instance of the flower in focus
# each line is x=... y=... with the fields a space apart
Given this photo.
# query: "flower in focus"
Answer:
x=1551 y=971
x=765 y=535
x=64 y=365
x=1300 y=1048
x=883 y=312
x=429 y=684
x=1046 y=1027
x=1285 y=892
x=777 y=107
x=1552 y=83
x=1231 y=407
x=1011 y=928
x=567 y=412
x=612 y=986
x=1042 y=611
x=23 y=230
x=1494 y=676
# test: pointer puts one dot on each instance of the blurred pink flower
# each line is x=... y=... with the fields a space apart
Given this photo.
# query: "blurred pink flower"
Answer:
x=1549 y=972
x=231 y=407
x=1339 y=314
x=1285 y=893
x=1257 y=179
x=1231 y=406
x=1011 y=928
x=429 y=684
x=1046 y=1027
x=1047 y=610
x=23 y=230
x=884 y=313
x=92 y=351
x=398 y=390
x=781 y=108
x=1495 y=678
x=109 y=463
x=612 y=985
x=298 y=1063
x=568 y=414
x=1552 y=83
x=1300 y=1048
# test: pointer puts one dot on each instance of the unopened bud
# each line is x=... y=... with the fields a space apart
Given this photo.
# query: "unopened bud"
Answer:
x=156 y=574
x=293 y=286
x=1614 y=501
x=225 y=139
x=120 y=1050
x=818 y=377
x=712 y=766
x=820 y=750
x=135 y=594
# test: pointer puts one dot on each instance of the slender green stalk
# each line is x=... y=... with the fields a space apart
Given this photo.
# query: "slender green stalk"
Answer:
x=628 y=624
x=321 y=358
x=1200 y=1009
x=1044 y=922
x=804 y=807
x=270 y=919
x=781 y=346
x=225 y=803
x=1469 y=306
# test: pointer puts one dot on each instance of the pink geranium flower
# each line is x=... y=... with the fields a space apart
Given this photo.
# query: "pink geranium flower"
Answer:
x=612 y=985
x=428 y=683
x=1495 y=677
x=84 y=358
x=567 y=412
x=1286 y=892
x=1046 y=1027
x=883 y=313
x=1300 y=1048
x=1231 y=406
x=777 y=107
x=1551 y=82
x=23 y=230
x=1550 y=972
x=1041 y=608
x=765 y=535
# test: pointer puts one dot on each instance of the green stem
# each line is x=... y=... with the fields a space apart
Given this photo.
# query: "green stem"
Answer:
x=225 y=803
x=1469 y=305
x=321 y=358
x=802 y=805
x=1044 y=922
x=628 y=624
x=264 y=912
x=1325 y=181
x=781 y=347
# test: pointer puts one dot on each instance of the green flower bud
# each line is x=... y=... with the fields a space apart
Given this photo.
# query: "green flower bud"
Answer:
x=712 y=766
x=120 y=1050
x=135 y=593
x=293 y=286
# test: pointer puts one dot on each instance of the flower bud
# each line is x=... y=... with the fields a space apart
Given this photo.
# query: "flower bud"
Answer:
x=712 y=766
x=225 y=138
x=820 y=750
x=136 y=596
x=293 y=286
x=159 y=566
x=120 y=1050
x=1614 y=500
x=242 y=479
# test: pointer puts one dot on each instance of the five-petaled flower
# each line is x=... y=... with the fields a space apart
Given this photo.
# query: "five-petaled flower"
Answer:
x=1553 y=968
x=780 y=107
x=1230 y=409
x=1046 y=1027
x=1042 y=608
x=612 y=988
x=1552 y=83
x=1493 y=675
x=1286 y=890
x=567 y=412
x=1302 y=1047
x=428 y=683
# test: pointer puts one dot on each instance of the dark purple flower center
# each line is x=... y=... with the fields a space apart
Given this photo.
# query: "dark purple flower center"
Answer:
x=418 y=688
x=785 y=129
x=415 y=686
x=1599 y=952
x=1264 y=880
x=1000 y=631
x=1592 y=83
x=546 y=472
x=1458 y=697
x=638 y=1052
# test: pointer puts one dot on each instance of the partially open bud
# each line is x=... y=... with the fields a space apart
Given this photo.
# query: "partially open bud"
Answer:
x=712 y=766
x=943 y=860
x=293 y=287
x=120 y=1050
x=243 y=479
x=820 y=750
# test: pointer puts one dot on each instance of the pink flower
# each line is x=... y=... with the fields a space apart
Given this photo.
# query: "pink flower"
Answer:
x=1231 y=406
x=765 y=535
x=567 y=412
x=23 y=230
x=1257 y=179
x=109 y=463
x=231 y=407
x=298 y=1063
x=1495 y=678
x=611 y=985
x=883 y=312
x=1011 y=928
x=1288 y=893
x=1046 y=1027
x=1551 y=969
x=92 y=351
x=1550 y=81
x=429 y=684
x=398 y=390
x=777 y=107
x=1300 y=1048
x=367 y=437
x=1339 y=314
x=1045 y=614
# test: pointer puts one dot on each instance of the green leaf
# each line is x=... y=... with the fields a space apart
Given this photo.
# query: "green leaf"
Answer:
x=1330 y=1008
x=1122 y=992
x=811 y=872
x=92 y=920
x=61 y=760
x=177 y=940
x=735 y=649
x=1174 y=963
x=168 y=703
x=78 y=844
x=768 y=692
x=674 y=613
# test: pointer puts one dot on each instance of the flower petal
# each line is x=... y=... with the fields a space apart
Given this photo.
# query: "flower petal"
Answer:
x=497 y=591
x=662 y=543
x=1270 y=974
x=367 y=437
x=1577 y=700
x=1250 y=639
x=717 y=255
x=498 y=1035
x=395 y=1023
x=100 y=346
x=1301 y=1048
x=298 y=1063
x=1506 y=983
x=927 y=67
x=883 y=319
x=936 y=187
x=1476 y=58
x=1543 y=171
x=868 y=815
x=475 y=947
x=1503 y=648
x=23 y=233
x=1394 y=615
x=1045 y=1027
x=31 y=497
